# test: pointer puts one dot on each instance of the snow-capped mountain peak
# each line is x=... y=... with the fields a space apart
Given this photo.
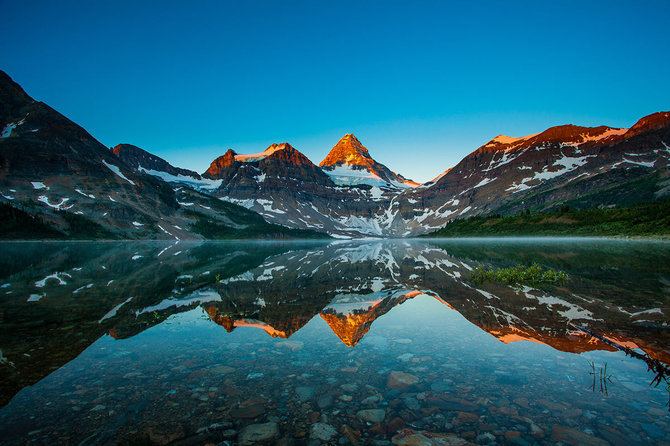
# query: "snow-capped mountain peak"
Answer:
x=349 y=163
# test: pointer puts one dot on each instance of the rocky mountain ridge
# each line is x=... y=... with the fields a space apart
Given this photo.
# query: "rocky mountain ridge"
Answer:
x=582 y=166
x=54 y=172
x=51 y=166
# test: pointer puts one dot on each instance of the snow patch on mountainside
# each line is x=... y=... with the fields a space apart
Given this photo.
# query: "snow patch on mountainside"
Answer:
x=7 y=131
x=483 y=182
x=58 y=206
x=345 y=175
x=117 y=171
x=112 y=312
x=198 y=297
x=567 y=164
x=205 y=184
x=362 y=225
x=637 y=163
x=84 y=193
x=39 y=185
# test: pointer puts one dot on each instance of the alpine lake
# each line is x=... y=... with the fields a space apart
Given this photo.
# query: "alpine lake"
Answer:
x=337 y=342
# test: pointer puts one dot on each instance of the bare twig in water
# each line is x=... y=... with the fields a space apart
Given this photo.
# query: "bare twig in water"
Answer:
x=661 y=370
x=602 y=376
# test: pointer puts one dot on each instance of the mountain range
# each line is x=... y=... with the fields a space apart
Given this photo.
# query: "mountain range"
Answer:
x=55 y=173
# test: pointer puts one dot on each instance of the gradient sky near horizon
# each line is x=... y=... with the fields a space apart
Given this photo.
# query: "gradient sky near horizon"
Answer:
x=421 y=84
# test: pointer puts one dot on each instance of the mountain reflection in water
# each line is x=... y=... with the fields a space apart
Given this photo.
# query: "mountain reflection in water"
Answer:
x=62 y=299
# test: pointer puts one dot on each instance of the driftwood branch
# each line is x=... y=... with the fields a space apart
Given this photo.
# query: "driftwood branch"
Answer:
x=661 y=370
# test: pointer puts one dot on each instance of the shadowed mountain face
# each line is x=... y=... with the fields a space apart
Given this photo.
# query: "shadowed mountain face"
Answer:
x=54 y=168
x=57 y=181
x=142 y=160
x=75 y=293
x=350 y=194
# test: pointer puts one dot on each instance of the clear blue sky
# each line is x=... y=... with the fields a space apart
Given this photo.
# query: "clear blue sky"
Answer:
x=421 y=84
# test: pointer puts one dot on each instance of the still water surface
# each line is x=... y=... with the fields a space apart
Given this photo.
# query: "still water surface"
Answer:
x=348 y=342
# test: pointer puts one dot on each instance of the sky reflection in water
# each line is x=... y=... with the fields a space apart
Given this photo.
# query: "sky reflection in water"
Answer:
x=393 y=329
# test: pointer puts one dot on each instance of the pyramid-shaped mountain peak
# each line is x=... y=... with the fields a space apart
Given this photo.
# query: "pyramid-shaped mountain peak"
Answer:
x=348 y=150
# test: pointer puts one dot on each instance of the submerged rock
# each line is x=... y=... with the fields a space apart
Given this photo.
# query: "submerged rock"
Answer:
x=304 y=393
x=259 y=432
x=400 y=380
x=325 y=401
x=410 y=437
x=574 y=436
x=322 y=431
x=372 y=415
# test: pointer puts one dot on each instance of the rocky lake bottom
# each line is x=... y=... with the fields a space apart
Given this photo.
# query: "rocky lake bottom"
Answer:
x=374 y=342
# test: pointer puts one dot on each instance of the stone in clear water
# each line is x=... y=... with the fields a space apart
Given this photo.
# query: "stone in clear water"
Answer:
x=304 y=393
x=372 y=415
x=322 y=431
x=255 y=433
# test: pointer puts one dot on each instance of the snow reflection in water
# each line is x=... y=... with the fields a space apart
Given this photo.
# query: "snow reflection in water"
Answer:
x=348 y=341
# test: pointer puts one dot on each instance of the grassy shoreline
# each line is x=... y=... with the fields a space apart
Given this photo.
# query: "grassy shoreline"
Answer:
x=648 y=220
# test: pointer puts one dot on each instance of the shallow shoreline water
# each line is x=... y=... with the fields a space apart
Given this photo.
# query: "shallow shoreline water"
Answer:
x=342 y=342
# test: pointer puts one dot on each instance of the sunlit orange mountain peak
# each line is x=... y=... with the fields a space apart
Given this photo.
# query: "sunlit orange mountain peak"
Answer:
x=352 y=326
x=573 y=342
x=349 y=162
x=283 y=329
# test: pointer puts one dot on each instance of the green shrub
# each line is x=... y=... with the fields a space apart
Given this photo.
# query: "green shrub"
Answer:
x=519 y=275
